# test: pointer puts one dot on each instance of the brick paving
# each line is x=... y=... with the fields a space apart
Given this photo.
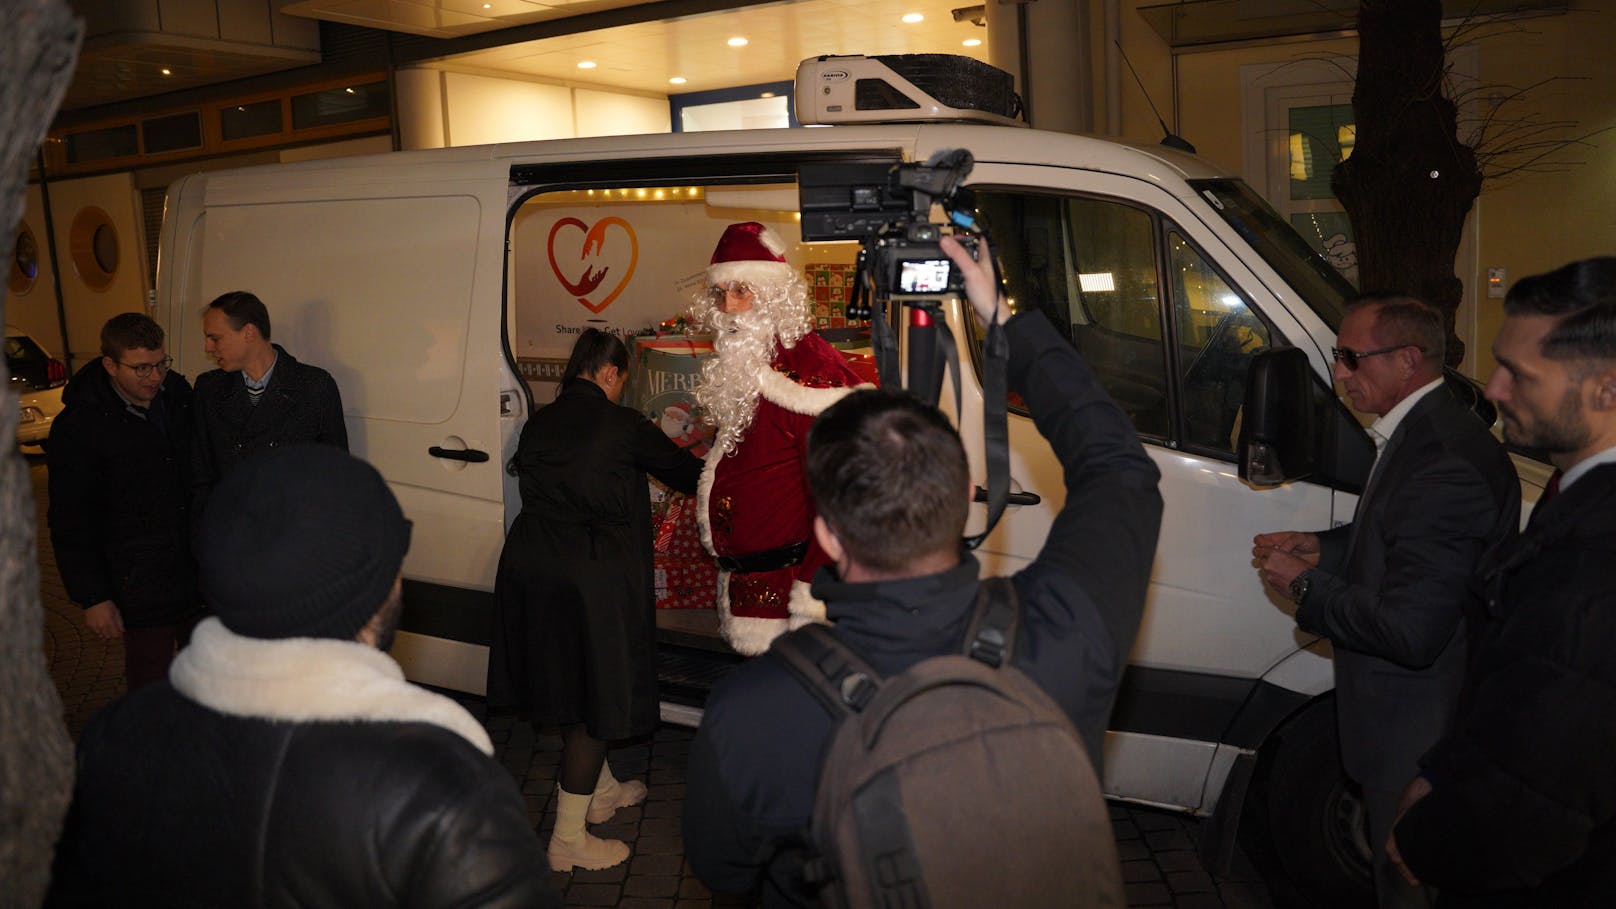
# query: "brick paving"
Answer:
x=1160 y=865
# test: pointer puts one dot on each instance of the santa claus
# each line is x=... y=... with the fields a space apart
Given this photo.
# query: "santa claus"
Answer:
x=770 y=378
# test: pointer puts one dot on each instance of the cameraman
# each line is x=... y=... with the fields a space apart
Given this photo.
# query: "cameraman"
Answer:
x=890 y=479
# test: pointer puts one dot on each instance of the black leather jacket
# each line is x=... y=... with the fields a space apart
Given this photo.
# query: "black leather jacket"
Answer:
x=177 y=804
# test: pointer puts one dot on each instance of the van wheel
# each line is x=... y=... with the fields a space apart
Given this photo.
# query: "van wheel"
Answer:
x=1317 y=830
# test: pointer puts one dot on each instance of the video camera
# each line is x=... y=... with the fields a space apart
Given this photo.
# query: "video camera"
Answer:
x=888 y=209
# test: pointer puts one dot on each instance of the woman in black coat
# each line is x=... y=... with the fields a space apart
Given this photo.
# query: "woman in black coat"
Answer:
x=574 y=643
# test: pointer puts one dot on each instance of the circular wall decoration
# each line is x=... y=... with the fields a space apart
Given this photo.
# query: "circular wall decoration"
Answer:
x=24 y=270
x=94 y=243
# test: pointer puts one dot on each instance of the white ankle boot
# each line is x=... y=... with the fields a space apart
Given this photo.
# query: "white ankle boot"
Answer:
x=610 y=795
x=571 y=846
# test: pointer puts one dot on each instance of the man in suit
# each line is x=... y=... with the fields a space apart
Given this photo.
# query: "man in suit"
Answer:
x=1516 y=806
x=1390 y=589
x=259 y=398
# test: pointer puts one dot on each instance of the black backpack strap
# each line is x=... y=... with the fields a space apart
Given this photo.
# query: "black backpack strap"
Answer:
x=839 y=678
x=991 y=636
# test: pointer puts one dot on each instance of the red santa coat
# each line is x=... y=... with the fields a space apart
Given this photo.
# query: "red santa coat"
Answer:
x=754 y=498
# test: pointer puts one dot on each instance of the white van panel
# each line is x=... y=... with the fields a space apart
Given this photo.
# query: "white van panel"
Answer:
x=1156 y=770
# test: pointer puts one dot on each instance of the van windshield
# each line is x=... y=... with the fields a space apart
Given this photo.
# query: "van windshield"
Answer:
x=1320 y=285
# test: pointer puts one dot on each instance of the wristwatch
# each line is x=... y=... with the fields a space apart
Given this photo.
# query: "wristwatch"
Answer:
x=1299 y=587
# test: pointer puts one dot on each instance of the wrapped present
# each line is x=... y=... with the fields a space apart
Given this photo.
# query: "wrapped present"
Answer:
x=684 y=574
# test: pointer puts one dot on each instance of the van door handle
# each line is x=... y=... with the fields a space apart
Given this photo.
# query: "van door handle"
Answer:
x=1014 y=498
x=458 y=454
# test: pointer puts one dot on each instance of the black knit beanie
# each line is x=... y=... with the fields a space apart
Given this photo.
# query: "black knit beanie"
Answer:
x=303 y=541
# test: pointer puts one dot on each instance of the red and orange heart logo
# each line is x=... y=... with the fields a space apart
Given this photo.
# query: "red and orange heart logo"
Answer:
x=599 y=255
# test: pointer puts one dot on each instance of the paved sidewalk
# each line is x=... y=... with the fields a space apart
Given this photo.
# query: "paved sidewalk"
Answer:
x=1159 y=863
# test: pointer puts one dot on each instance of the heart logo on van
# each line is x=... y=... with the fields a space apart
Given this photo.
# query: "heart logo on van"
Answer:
x=598 y=260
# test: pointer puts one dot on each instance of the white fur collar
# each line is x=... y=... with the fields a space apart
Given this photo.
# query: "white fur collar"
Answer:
x=797 y=398
x=304 y=680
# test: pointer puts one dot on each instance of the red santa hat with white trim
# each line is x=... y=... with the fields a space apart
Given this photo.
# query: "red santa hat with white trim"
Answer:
x=752 y=253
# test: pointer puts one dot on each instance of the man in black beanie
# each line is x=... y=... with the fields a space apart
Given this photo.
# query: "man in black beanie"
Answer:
x=286 y=761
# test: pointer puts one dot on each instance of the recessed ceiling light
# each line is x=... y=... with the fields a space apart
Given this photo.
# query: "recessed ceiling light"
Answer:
x=586 y=64
x=972 y=42
x=737 y=41
x=348 y=90
x=766 y=95
x=912 y=18
x=488 y=6
x=167 y=71
x=677 y=80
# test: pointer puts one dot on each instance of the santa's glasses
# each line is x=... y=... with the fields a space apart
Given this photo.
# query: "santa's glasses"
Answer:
x=718 y=292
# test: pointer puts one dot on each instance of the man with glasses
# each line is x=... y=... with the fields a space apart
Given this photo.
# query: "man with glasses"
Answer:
x=770 y=377
x=1390 y=589
x=119 y=495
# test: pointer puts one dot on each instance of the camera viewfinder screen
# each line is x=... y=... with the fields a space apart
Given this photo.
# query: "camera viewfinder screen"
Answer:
x=923 y=276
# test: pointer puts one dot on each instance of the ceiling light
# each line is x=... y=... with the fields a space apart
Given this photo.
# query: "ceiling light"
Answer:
x=586 y=64
x=348 y=90
x=488 y=6
x=677 y=80
x=766 y=95
x=972 y=42
x=167 y=71
x=736 y=41
x=912 y=18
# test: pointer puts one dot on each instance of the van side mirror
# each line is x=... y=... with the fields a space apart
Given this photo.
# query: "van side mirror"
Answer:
x=1278 y=440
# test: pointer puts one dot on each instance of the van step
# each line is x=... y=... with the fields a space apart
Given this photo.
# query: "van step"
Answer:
x=686 y=674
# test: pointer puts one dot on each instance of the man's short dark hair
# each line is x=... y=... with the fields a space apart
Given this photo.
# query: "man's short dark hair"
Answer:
x=1402 y=318
x=888 y=474
x=243 y=308
x=130 y=331
x=1582 y=295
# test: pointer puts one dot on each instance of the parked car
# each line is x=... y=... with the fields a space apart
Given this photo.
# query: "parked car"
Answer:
x=38 y=379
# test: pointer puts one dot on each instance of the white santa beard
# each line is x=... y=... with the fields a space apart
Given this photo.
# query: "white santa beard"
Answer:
x=728 y=390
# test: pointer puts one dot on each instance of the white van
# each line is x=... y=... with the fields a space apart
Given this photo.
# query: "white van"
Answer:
x=428 y=282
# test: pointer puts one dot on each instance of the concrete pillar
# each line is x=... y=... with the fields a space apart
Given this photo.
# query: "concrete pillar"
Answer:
x=1047 y=45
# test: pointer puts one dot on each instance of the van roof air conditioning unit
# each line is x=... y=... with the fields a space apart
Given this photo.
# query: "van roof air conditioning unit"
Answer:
x=904 y=87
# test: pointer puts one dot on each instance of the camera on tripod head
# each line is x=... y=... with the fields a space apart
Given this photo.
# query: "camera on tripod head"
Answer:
x=888 y=209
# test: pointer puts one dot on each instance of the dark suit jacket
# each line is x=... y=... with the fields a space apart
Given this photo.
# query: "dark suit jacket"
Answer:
x=1522 y=810
x=1392 y=588
x=301 y=404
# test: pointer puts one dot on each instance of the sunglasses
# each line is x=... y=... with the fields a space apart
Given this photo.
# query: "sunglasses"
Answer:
x=1349 y=358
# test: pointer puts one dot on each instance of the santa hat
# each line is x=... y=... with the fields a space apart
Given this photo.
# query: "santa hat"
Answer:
x=752 y=253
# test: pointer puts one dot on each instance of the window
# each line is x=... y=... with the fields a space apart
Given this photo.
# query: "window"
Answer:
x=97 y=144
x=340 y=105
x=1090 y=265
x=1102 y=271
x=1319 y=137
x=243 y=121
x=166 y=134
x=1217 y=336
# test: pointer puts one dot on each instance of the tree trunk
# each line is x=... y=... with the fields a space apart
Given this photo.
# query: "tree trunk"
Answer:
x=1409 y=182
x=38 y=49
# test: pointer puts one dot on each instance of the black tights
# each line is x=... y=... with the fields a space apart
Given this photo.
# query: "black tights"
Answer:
x=581 y=758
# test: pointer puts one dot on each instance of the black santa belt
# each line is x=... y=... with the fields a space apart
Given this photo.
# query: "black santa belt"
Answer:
x=767 y=560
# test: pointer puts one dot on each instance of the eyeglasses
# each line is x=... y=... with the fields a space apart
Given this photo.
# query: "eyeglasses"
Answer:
x=718 y=292
x=146 y=369
x=1349 y=358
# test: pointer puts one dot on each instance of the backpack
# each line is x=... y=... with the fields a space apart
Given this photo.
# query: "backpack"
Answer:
x=957 y=783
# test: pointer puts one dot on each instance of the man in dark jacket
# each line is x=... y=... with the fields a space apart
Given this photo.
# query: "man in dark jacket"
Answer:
x=287 y=762
x=119 y=492
x=901 y=590
x=1516 y=805
x=1390 y=589
x=259 y=398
